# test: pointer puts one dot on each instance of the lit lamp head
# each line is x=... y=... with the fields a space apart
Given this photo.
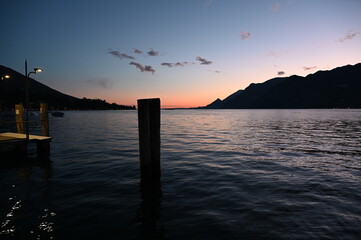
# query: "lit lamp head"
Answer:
x=36 y=70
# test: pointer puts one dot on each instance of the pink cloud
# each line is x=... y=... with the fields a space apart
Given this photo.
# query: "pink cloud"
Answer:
x=309 y=68
x=349 y=35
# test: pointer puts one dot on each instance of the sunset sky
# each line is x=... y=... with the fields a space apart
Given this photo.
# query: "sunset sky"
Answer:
x=186 y=52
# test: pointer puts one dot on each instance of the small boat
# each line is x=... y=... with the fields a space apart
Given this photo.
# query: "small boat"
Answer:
x=57 y=114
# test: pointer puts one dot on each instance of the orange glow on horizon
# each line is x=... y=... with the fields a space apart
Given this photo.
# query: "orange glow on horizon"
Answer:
x=199 y=94
x=167 y=102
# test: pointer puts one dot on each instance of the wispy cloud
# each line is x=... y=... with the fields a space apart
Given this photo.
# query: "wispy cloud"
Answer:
x=309 y=68
x=168 y=64
x=177 y=64
x=215 y=71
x=143 y=68
x=104 y=83
x=120 y=55
x=245 y=35
x=281 y=73
x=203 y=61
x=137 y=51
x=275 y=7
x=153 y=53
x=349 y=35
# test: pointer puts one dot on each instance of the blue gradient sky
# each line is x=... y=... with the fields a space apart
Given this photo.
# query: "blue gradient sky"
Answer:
x=86 y=47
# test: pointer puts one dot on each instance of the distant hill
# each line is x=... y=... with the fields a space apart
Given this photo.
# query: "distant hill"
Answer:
x=337 y=88
x=12 y=91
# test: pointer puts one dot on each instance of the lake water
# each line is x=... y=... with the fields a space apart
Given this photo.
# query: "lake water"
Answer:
x=226 y=174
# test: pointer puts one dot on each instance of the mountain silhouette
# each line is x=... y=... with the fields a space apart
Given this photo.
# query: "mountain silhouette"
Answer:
x=12 y=91
x=336 y=88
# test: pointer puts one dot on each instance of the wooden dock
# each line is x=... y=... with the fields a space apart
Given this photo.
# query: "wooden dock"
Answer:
x=18 y=141
x=9 y=137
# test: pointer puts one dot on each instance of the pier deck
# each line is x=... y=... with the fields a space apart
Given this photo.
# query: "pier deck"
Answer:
x=16 y=144
x=9 y=137
x=17 y=141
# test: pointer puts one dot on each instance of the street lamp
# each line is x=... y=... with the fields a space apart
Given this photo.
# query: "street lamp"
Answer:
x=5 y=77
x=36 y=70
x=27 y=83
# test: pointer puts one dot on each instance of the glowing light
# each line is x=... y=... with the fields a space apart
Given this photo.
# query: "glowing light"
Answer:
x=5 y=77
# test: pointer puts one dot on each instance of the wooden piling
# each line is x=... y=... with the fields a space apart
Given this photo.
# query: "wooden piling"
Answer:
x=149 y=139
x=44 y=119
x=19 y=115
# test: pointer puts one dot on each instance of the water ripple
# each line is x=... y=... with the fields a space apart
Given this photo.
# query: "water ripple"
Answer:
x=230 y=174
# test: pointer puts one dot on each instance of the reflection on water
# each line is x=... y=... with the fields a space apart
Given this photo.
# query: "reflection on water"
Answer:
x=25 y=161
x=228 y=174
x=16 y=223
x=149 y=213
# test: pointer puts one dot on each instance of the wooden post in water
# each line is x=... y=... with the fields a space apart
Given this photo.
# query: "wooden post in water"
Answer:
x=19 y=116
x=149 y=139
x=43 y=147
x=44 y=119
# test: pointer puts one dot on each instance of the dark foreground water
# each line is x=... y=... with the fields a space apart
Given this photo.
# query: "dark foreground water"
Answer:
x=226 y=174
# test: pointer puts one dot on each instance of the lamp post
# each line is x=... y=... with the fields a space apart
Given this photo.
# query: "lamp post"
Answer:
x=27 y=83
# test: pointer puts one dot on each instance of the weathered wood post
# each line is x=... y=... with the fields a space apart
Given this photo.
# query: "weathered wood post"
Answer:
x=43 y=147
x=149 y=139
x=19 y=116
x=44 y=119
